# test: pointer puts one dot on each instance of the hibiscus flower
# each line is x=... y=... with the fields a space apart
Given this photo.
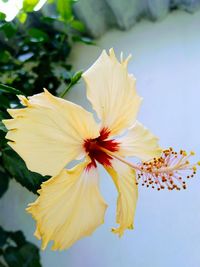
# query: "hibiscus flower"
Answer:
x=50 y=132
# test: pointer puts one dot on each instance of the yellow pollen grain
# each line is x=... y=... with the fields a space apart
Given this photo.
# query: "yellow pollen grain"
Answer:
x=194 y=168
x=184 y=153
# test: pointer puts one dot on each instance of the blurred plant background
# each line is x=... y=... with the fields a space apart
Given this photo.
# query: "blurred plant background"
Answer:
x=34 y=51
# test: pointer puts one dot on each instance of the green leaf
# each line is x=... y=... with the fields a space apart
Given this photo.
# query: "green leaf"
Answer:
x=49 y=19
x=22 y=16
x=82 y=39
x=11 y=90
x=13 y=257
x=4 y=181
x=4 y=103
x=37 y=36
x=2 y=16
x=23 y=254
x=18 y=237
x=2 y=127
x=78 y=25
x=3 y=237
x=9 y=29
x=30 y=255
x=28 y=5
x=5 y=56
x=17 y=169
x=64 y=8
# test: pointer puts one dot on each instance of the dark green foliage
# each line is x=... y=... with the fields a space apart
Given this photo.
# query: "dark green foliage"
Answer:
x=32 y=64
x=8 y=89
x=16 y=251
x=4 y=181
x=34 y=53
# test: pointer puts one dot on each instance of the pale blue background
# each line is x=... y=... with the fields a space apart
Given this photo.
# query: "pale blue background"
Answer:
x=166 y=63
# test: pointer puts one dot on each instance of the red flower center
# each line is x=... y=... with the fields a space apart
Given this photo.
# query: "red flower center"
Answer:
x=95 y=148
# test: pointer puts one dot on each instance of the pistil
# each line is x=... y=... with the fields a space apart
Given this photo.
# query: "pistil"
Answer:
x=168 y=171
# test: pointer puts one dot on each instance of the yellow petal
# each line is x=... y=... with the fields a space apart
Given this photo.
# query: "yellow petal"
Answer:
x=69 y=207
x=112 y=92
x=49 y=132
x=139 y=142
x=124 y=179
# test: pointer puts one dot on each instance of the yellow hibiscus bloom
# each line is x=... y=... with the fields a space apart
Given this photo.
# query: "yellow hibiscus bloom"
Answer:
x=50 y=132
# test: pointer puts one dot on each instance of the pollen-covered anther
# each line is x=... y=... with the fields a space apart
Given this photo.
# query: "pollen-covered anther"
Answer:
x=168 y=171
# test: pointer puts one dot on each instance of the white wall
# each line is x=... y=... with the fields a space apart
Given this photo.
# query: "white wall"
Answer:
x=166 y=63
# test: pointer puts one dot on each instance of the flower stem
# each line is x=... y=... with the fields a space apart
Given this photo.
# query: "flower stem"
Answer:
x=62 y=94
x=74 y=79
